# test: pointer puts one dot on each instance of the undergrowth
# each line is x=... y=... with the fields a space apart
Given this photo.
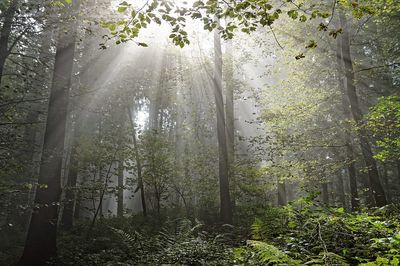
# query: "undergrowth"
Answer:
x=305 y=234
x=301 y=233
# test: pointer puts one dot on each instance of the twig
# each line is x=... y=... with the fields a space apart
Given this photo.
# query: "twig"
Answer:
x=374 y=67
x=276 y=39
x=323 y=243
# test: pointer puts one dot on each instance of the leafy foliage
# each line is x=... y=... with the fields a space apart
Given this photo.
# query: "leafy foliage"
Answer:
x=383 y=120
x=314 y=236
x=116 y=242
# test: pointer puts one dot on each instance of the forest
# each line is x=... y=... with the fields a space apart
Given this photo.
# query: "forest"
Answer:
x=199 y=132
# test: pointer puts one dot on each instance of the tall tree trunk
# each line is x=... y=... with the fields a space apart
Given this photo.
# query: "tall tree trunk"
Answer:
x=73 y=193
x=373 y=174
x=351 y=167
x=5 y=34
x=230 y=115
x=138 y=165
x=120 y=191
x=226 y=208
x=40 y=245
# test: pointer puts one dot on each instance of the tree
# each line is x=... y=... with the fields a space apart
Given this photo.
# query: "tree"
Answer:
x=5 y=48
x=40 y=245
x=373 y=174
x=138 y=161
x=226 y=207
x=351 y=168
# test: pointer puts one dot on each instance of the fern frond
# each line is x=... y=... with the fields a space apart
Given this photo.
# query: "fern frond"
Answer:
x=269 y=254
x=127 y=238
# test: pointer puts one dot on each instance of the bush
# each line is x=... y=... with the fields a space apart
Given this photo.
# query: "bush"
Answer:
x=307 y=234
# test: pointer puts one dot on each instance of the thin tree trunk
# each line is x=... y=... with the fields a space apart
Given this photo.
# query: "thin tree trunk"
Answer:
x=138 y=165
x=120 y=197
x=282 y=198
x=340 y=190
x=373 y=174
x=351 y=168
x=5 y=34
x=398 y=169
x=386 y=183
x=70 y=194
x=40 y=245
x=226 y=208
x=230 y=116
x=325 y=194
x=99 y=211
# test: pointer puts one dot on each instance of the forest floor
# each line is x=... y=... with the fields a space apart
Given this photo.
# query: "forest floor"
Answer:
x=299 y=234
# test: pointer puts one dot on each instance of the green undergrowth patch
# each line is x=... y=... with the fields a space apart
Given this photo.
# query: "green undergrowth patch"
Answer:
x=305 y=234
x=301 y=233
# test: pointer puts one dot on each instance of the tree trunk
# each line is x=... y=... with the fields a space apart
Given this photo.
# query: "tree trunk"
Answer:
x=373 y=175
x=230 y=116
x=120 y=192
x=386 y=183
x=70 y=194
x=40 y=245
x=5 y=34
x=138 y=165
x=226 y=208
x=398 y=169
x=282 y=198
x=325 y=195
x=351 y=168
x=340 y=190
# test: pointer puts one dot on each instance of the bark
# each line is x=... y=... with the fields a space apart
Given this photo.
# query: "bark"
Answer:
x=73 y=194
x=70 y=194
x=68 y=211
x=230 y=115
x=282 y=198
x=386 y=183
x=138 y=165
x=325 y=195
x=373 y=174
x=225 y=201
x=120 y=195
x=398 y=169
x=340 y=190
x=5 y=34
x=40 y=245
x=351 y=168
x=30 y=134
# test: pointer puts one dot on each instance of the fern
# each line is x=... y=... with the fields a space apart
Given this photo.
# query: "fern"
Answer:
x=127 y=238
x=269 y=254
x=259 y=229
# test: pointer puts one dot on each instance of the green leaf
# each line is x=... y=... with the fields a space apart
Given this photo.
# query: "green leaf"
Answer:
x=122 y=9
x=311 y=44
